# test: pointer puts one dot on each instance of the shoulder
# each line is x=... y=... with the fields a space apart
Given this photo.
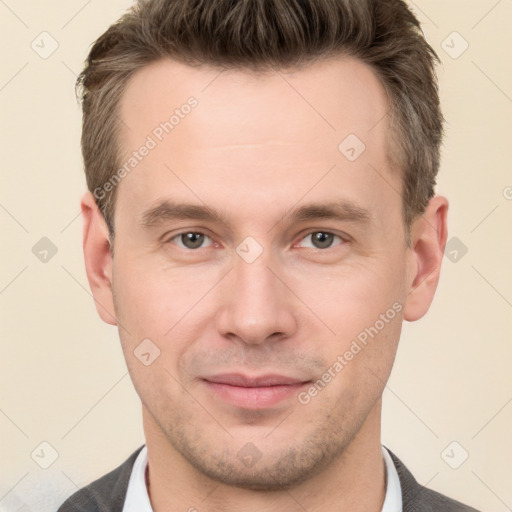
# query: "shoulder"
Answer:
x=106 y=494
x=417 y=498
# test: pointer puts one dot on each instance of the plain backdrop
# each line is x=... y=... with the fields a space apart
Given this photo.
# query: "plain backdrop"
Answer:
x=448 y=404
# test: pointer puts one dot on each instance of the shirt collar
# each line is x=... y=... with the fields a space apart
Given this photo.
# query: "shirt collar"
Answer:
x=393 y=499
x=137 y=498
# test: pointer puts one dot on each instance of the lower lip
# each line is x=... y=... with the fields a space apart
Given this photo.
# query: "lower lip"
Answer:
x=254 y=398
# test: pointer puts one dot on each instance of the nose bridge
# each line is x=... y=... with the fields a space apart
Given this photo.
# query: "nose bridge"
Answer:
x=256 y=305
x=255 y=285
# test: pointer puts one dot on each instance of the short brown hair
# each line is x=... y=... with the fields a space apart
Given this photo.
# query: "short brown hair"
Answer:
x=260 y=35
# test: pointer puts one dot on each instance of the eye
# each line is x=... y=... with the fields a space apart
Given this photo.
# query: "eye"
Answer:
x=321 y=239
x=190 y=239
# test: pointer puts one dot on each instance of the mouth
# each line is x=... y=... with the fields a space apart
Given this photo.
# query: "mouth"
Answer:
x=253 y=392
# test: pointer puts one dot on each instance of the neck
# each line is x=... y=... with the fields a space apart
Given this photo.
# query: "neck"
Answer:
x=354 y=482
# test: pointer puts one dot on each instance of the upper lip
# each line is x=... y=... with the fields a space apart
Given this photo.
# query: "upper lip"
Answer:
x=238 y=379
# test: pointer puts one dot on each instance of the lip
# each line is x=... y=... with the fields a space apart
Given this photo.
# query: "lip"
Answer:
x=253 y=392
x=239 y=379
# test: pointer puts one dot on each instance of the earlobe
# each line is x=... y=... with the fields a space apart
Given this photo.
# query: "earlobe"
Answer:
x=428 y=240
x=98 y=258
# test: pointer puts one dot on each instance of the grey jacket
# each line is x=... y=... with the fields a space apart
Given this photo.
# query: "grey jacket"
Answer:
x=107 y=494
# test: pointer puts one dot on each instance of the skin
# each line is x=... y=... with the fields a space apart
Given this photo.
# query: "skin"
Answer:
x=254 y=149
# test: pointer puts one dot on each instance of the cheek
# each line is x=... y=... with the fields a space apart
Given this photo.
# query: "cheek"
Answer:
x=359 y=363
x=152 y=300
x=162 y=313
x=362 y=306
x=352 y=297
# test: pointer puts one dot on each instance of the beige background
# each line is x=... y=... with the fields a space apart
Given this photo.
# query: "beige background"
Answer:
x=63 y=379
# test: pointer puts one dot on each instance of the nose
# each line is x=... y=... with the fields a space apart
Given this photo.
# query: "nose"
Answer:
x=256 y=305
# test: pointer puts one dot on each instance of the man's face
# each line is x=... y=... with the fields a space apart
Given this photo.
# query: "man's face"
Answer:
x=269 y=283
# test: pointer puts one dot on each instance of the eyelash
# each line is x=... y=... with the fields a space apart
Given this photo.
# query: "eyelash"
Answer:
x=341 y=238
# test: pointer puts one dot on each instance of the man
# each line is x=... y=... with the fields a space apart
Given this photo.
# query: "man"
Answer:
x=260 y=220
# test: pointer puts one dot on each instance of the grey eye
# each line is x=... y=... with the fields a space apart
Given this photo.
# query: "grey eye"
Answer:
x=321 y=239
x=192 y=240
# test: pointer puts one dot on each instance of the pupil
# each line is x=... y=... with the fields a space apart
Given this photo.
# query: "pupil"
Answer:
x=322 y=240
x=192 y=240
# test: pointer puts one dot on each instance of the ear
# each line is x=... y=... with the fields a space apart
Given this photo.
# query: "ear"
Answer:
x=428 y=240
x=98 y=259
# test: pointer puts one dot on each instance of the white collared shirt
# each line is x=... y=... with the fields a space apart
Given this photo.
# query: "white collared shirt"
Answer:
x=393 y=499
x=137 y=499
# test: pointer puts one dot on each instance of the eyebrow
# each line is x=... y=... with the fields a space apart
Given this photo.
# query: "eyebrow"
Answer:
x=342 y=210
x=169 y=211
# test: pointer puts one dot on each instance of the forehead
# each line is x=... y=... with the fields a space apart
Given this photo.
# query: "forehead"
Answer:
x=335 y=95
x=272 y=134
